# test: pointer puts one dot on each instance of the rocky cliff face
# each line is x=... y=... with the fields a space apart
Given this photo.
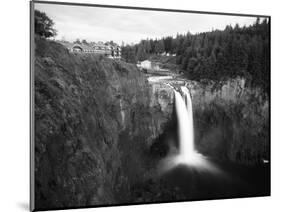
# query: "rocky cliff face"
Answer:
x=162 y=103
x=95 y=119
x=231 y=120
x=97 y=122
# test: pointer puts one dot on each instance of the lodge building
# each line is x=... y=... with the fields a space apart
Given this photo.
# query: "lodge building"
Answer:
x=107 y=49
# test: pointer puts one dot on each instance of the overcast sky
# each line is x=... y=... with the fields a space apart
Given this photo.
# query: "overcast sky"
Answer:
x=130 y=26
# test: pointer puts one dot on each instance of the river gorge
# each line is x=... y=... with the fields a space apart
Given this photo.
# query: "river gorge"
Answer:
x=105 y=131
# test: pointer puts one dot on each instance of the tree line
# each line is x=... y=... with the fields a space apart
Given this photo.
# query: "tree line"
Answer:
x=219 y=54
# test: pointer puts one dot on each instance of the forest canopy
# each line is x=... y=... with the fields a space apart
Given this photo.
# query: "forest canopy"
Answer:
x=216 y=55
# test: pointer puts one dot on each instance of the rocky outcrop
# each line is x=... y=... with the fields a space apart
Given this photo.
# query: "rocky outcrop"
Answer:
x=162 y=105
x=231 y=120
x=95 y=119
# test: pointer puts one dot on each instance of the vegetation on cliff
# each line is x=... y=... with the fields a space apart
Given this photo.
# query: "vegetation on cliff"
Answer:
x=232 y=121
x=93 y=123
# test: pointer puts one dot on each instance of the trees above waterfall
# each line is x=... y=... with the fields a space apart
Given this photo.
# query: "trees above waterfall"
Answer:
x=218 y=54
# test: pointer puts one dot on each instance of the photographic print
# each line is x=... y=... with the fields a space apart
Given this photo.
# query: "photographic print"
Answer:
x=142 y=105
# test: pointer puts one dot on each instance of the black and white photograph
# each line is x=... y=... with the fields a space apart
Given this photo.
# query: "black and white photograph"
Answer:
x=135 y=105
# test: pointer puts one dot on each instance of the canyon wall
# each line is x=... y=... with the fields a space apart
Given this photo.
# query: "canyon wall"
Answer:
x=95 y=120
x=231 y=120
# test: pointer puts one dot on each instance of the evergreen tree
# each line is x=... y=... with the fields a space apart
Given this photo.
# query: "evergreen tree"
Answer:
x=159 y=47
x=219 y=54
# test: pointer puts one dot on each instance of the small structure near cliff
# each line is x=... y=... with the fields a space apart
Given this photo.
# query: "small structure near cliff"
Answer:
x=149 y=65
x=155 y=67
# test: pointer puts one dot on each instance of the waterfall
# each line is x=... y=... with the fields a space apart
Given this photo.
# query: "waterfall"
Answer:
x=187 y=154
x=185 y=123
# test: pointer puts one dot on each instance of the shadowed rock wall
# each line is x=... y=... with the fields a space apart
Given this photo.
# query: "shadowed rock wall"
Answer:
x=95 y=119
x=231 y=120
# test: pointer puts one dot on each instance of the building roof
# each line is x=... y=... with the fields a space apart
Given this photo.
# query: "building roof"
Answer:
x=90 y=47
x=86 y=47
